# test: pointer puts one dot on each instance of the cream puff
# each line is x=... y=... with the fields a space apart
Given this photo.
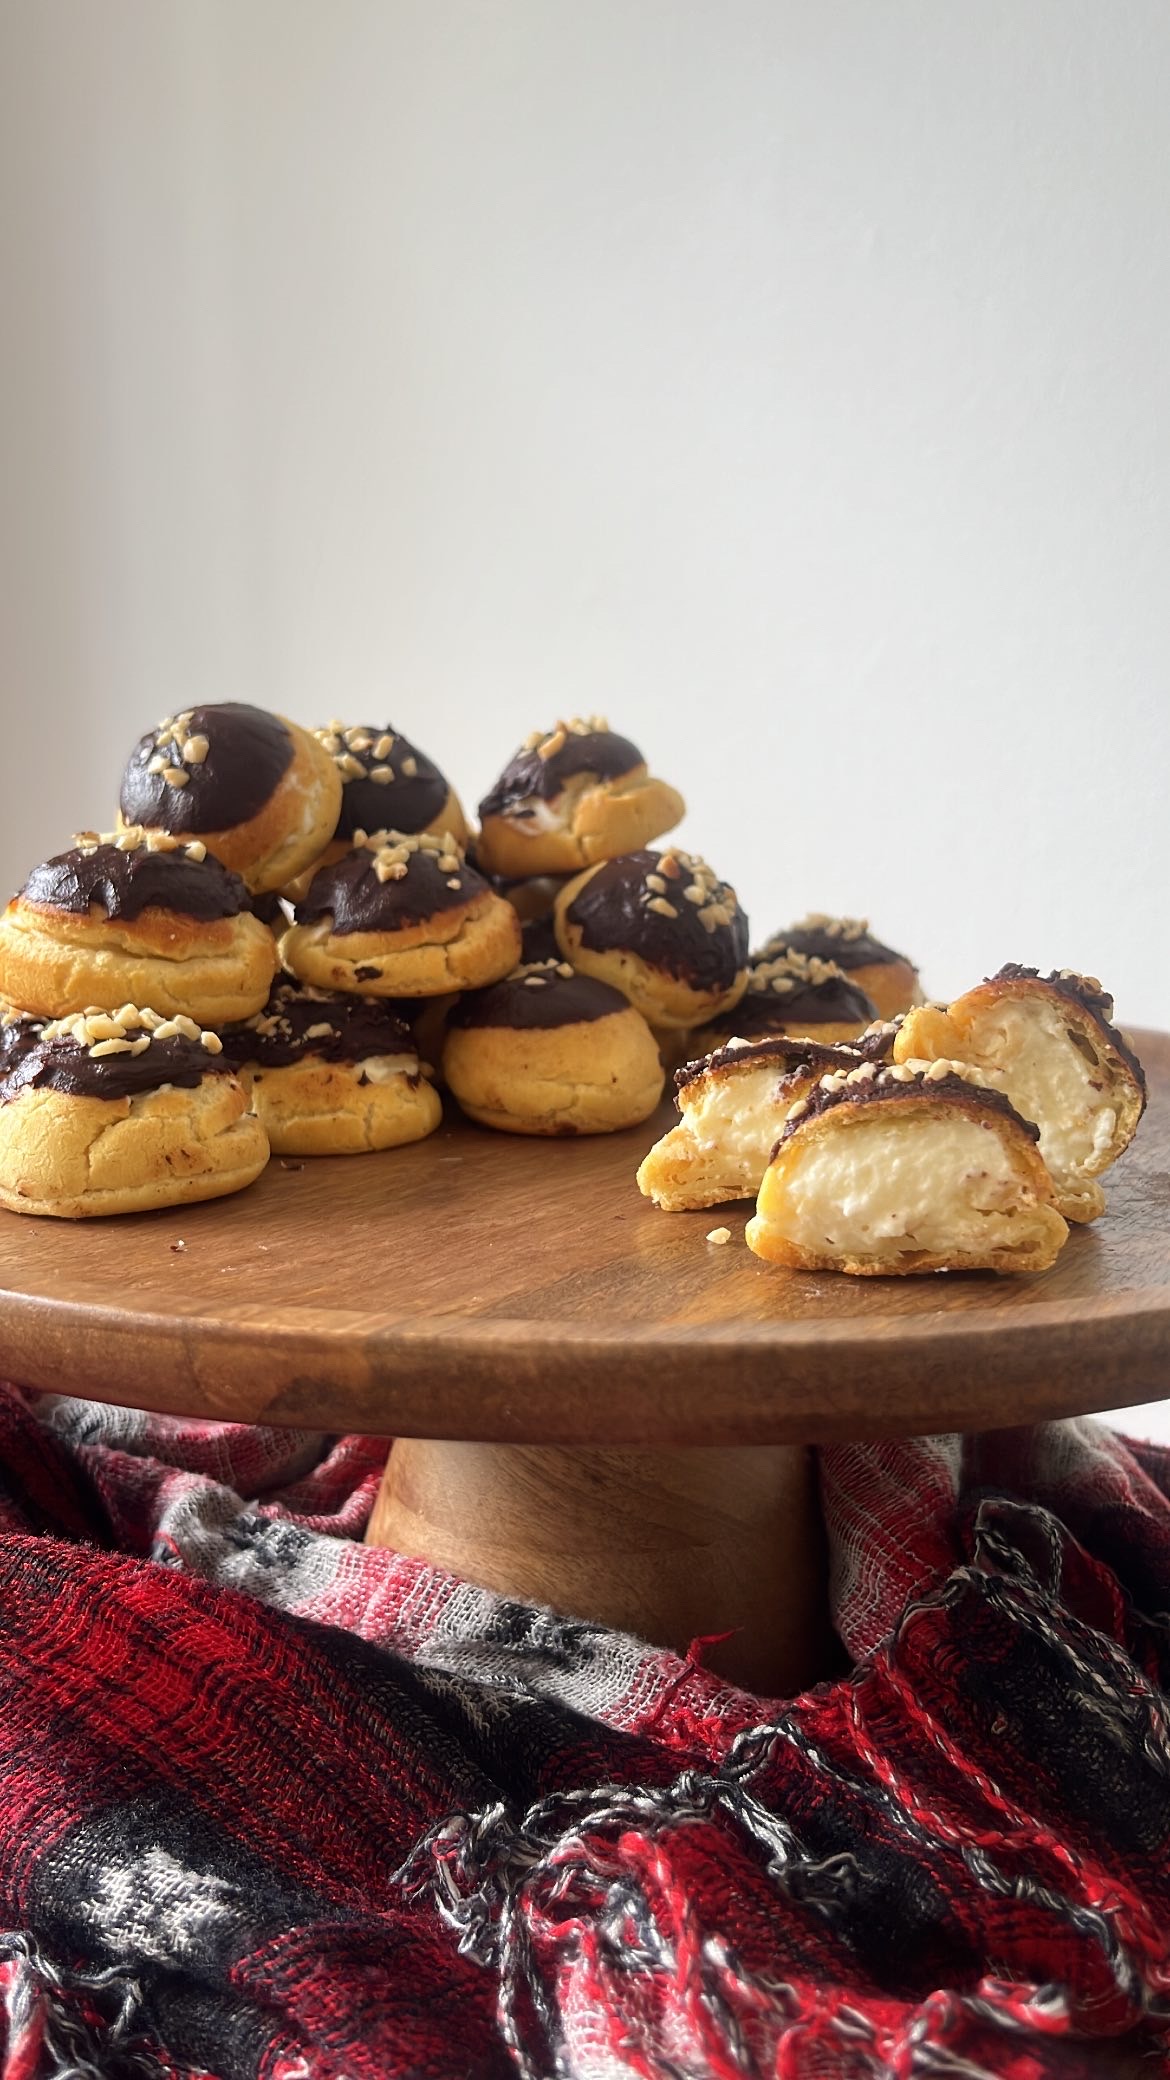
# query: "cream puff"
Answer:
x=387 y=783
x=885 y=976
x=913 y=1168
x=330 y=1075
x=1048 y=1043
x=262 y=793
x=797 y=995
x=139 y=918
x=106 y=1114
x=731 y=1108
x=572 y=795
x=662 y=928
x=550 y=1052
x=401 y=916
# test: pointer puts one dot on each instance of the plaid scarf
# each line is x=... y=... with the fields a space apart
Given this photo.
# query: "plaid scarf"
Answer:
x=278 y=1806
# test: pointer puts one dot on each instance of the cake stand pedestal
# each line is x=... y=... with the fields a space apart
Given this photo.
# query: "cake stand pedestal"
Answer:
x=595 y=1407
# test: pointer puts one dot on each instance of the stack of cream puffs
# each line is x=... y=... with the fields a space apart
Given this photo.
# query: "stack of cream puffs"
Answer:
x=958 y=1137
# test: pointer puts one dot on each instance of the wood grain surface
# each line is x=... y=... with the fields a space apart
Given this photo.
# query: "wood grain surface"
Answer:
x=480 y=1286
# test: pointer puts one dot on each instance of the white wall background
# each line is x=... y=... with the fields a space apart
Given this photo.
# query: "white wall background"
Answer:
x=787 y=381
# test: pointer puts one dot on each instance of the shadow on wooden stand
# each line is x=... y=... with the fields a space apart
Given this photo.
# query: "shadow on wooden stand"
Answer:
x=669 y=1545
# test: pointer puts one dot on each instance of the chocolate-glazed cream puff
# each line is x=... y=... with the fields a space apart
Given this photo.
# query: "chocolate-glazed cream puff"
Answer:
x=796 y=995
x=731 y=1108
x=885 y=976
x=401 y=916
x=332 y=1075
x=139 y=918
x=550 y=1052
x=1049 y=1044
x=387 y=783
x=571 y=796
x=262 y=793
x=106 y=1113
x=913 y=1168
x=662 y=928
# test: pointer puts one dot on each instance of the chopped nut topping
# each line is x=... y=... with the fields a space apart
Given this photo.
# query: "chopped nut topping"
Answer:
x=410 y=767
x=384 y=744
x=833 y=927
x=661 y=907
x=793 y=971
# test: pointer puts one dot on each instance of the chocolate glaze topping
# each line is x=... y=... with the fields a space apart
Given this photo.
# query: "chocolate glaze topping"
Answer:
x=549 y=994
x=19 y=1033
x=883 y=1085
x=297 y=1022
x=1086 y=992
x=408 y=796
x=835 y=1002
x=125 y=883
x=785 y=1054
x=846 y=940
x=614 y=912
x=527 y=776
x=61 y=1064
x=538 y=940
x=351 y=893
x=246 y=752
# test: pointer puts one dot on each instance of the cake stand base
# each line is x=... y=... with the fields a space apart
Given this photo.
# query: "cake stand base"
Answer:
x=672 y=1545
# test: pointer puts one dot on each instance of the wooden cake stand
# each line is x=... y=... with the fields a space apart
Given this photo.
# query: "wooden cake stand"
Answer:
x=596 y=1407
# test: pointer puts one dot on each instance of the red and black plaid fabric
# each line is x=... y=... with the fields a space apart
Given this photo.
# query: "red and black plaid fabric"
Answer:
x=278 y=1806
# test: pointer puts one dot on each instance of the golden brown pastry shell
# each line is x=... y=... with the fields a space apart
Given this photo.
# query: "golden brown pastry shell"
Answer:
x=79 y=1157
x=465 y=947
x=317 y=1108
x=54 y=962
x=892 y=985
x=594 y=1076
x=600 y=821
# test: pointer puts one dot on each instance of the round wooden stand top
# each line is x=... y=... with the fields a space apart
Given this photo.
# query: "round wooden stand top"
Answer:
x=484 y=1286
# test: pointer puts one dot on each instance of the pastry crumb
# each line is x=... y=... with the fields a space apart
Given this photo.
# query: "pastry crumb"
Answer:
x=719 y=1235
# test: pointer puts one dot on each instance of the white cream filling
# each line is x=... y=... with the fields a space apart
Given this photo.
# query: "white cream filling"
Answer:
x=381 y=1068
x=922 y=1184
x=1049 y=1081
x=534 y=815
x=736 y=1118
